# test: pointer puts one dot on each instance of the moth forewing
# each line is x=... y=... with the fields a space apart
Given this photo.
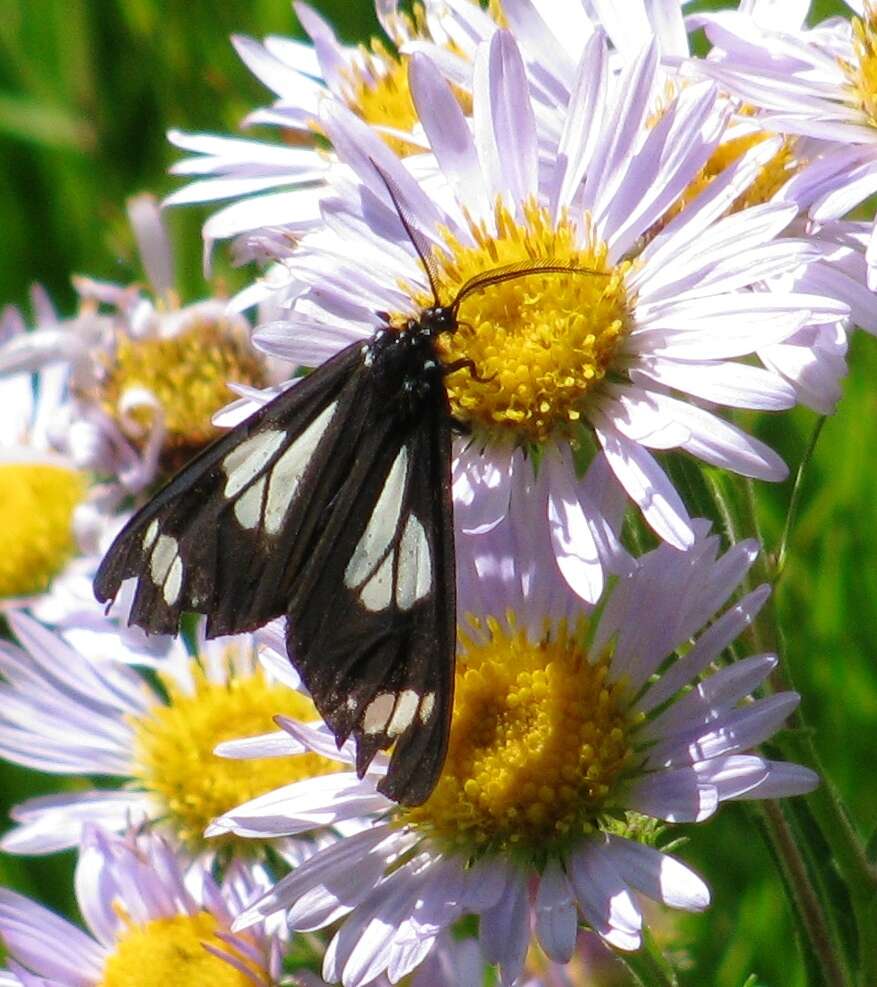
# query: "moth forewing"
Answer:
x=379 y=660
x=208 y=533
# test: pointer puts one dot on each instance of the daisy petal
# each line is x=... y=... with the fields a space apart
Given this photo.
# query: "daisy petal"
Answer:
x=604 y=897
x=658 y=875
x=556 y=919
x=648 y=486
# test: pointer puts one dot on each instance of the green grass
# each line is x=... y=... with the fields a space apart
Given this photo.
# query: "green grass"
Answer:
x=87 y=91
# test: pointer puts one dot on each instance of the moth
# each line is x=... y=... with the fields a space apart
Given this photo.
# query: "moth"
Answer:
x=331 y=505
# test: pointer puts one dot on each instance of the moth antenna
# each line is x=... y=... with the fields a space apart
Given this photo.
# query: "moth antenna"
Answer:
x=517 y=270
x=395 y=195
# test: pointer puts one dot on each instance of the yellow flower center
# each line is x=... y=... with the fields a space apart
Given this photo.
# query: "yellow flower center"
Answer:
x=862 y=75
x=769 y=179
x=174 y=746
x=538 y=738
x=379 y=93
x=188 y=374
x=37 y=501
x=377 y=89
x=540 y=342
x=169 y=952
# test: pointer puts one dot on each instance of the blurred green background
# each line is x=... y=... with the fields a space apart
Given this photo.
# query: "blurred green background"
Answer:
x=88 y=89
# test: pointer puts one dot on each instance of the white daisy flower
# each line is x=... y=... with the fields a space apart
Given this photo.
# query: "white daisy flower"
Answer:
x=574 y=739
x=551 y=36
x=64 y=713
x=630 y=350
x=144 y=382
x=817 y=82
x=145 y=908
x=278 y=185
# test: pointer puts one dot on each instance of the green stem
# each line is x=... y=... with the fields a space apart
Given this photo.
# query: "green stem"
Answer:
x=847 y=849
x=795 y=501
x=796 y=744
x=716 y=482
x=649 y=967
x=803 y=894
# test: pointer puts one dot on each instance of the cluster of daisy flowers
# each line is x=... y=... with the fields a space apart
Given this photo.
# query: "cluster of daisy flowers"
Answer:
x=676 y=248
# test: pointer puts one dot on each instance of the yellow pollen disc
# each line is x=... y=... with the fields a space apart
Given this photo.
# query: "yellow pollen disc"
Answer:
x=862 y=75
x=174 y=746
x=768 y=181
x=378 y=90
x=37 y=501
x=189 y=375
x=538 y=738
x=540 y=341
x=169 y=952
x=383 y=99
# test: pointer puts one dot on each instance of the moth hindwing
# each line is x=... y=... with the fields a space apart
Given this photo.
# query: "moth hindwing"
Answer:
x=331 y=506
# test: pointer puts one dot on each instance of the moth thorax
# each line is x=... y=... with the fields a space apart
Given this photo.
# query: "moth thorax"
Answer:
x=187 y=374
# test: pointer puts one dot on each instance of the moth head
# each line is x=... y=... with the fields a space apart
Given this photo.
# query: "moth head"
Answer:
x=438 y=319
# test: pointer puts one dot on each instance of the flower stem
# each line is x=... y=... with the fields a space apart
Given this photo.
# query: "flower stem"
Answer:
x=736 y=506
x=649 y=967
x=806 y=901
x=795 y=501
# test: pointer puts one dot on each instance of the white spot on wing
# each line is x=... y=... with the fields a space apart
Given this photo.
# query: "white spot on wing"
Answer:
x=378 y=591
x=403 y=714
x=427 y=705
x=289 y=469
x=377 y=713
x=163 y=555
x=414 y=579
x=150 y=536
x=248 y=508
x=249 y=458
x=174 y=582
x=381 y=525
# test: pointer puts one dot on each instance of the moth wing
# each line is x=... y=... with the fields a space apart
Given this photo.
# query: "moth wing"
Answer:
x=373 y=633
x=229 y=535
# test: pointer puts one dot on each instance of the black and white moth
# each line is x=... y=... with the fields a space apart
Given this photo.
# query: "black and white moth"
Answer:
x=331 y=505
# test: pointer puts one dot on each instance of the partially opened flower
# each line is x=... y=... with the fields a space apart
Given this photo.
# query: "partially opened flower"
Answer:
x=65 y=713
x=817 y=82
x=647 y=325
x=144 y=380
x=278 y=184
x=153 y=917
x=575 y=739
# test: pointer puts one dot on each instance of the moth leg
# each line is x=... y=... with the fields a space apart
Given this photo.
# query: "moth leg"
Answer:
x=467 y=364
